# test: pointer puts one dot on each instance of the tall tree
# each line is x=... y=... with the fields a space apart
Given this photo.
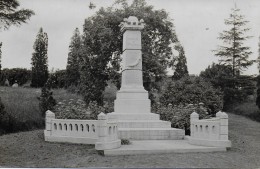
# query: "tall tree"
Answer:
x=10 y=15
x=72 y=69
x=180 y=68
x=0 y=58
x=102 y=41
x=234 y=53
x=39 y=60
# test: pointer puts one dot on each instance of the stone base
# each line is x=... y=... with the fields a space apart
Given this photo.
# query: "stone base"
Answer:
x=151 y=133
x=64 y=139
x=160 y=147
x=108 y=145
x=143 y=124
x=133 y=116
x=214 y=143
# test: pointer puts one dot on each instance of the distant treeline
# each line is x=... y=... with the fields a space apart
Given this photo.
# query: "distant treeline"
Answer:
x=22 y=77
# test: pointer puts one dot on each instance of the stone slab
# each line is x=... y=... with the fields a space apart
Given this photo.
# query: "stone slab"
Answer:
x=151 y=133
x=76 y=140
x=160 y=147
x=133 y=116
x=144 y=124
x=215 y=143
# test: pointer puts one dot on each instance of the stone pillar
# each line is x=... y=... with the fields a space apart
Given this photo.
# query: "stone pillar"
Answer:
x=48 y=125
x=223 y=125
x=105 y=141
x=132 y=97
x=193 y=116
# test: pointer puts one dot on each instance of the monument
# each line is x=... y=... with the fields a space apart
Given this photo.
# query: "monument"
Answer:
x=132 y=105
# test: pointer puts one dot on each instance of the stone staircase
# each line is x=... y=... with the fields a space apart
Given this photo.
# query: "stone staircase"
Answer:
x=145 y=126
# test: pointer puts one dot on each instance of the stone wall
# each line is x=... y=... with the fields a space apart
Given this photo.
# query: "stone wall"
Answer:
x=82 y=131
x=209 y=132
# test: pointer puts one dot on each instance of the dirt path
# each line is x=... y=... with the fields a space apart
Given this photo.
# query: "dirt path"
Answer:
x=27 y=149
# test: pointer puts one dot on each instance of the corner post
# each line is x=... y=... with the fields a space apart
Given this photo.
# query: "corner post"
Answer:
x=194 y=116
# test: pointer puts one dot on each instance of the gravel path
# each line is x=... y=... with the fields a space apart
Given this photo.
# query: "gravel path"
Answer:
x=28 y=149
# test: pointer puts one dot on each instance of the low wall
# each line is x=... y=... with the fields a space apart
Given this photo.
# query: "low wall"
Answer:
x=82 y=131
x=209 y=132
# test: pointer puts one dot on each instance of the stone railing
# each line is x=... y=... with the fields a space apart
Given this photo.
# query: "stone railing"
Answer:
x=82 y=131
x=209 y=132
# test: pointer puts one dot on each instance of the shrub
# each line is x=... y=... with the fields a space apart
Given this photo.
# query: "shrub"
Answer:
x=4 y=119
x=192 y=90
x=125 y=141
x=15 y=75
x=57 y=79
x=47 y=102
x=77 y=109
x=179 y=115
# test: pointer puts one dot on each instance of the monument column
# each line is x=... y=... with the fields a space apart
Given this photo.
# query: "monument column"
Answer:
x=132 y=97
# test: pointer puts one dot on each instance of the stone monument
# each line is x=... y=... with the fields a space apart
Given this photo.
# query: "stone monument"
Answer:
x=132 y=106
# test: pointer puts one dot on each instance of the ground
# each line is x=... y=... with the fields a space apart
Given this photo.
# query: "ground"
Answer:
x=28 y=149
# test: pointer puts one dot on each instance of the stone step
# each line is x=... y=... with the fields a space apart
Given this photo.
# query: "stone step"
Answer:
x=160 y=147
x=133 y=116
x=143 y=124
x=151 y=133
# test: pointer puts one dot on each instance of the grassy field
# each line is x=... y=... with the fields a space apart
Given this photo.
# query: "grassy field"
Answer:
x=28 y=149
x=23 y=106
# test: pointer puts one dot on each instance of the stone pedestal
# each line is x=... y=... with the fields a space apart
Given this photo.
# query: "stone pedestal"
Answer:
x=132 y=106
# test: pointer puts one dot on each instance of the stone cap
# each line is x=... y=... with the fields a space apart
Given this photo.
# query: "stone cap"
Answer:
x=222 y=115
x=132 y=23
x=194 y=115
x=102 y=116
x=50 y=114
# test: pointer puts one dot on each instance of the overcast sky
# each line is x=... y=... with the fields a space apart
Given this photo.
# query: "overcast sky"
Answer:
x=198 y=24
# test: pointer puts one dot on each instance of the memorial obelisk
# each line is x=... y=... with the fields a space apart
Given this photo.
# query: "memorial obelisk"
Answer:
x=132 y=105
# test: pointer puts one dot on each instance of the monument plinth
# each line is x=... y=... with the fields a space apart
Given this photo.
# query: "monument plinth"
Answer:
x=132 y=105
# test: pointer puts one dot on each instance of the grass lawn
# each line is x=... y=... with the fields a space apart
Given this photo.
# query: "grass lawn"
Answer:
x=22 y=104
x=28 y=149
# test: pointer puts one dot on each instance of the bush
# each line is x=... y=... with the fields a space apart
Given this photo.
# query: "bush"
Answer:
x=4 y=119
x=192 y=90
x=15 y=75
x=77 y=109
x=179 y=115
x=47 y=102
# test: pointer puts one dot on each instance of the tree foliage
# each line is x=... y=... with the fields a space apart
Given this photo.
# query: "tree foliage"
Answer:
x=192 y=90
x=234 y=53
x=102 y=46
x=15 y=75
x=39 y=60
x=10 y=15
x=72 y=69
x=0 y=57
x=180 y=68
x=235 y=88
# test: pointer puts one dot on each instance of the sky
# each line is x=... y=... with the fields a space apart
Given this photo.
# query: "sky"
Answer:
x=197 y=23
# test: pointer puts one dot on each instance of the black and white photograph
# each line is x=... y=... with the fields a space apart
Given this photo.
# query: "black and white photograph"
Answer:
x=130 y=84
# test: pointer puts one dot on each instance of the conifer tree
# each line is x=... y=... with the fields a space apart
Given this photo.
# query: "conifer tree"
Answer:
x=234 y=53
x=72 y=69
x=9 y=15
x=39 y=60
x=180 y=68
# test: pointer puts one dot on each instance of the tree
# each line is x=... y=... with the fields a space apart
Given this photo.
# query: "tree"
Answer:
x=235 y=88
x=102 y=46
x=234 y=53
x=0 y=57
x=39 y=60
x=72 y=69
x=258 y=59
x=9 y=15
x=181 y=69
